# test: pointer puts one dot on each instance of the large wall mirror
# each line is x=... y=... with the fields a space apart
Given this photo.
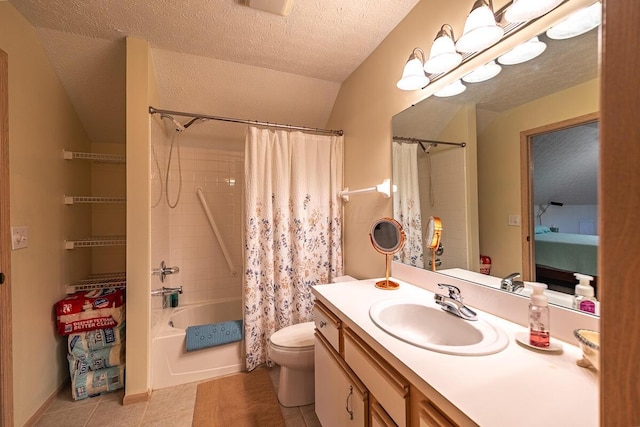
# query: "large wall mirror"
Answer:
x=550 y=102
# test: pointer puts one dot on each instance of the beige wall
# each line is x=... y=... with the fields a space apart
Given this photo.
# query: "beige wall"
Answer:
x=42 y=123
x=499 y=187
x=141 y=92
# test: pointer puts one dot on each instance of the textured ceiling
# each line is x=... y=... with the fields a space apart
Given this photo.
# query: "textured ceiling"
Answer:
x=320 y=40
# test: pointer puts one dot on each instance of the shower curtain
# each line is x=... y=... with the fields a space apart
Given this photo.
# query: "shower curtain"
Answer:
x=292 y=229
x=406 y=202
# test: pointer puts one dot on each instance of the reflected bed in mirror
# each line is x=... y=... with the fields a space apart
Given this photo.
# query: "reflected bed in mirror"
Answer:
x=483 y=180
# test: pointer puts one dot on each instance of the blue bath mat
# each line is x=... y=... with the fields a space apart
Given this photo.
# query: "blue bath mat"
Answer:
x=204 y=336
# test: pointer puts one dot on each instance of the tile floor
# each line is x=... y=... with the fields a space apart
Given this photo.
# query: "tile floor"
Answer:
x=170 y=407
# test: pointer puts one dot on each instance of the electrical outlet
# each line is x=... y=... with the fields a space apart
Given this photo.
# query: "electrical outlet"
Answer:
x=514 y=220
x=19 y=237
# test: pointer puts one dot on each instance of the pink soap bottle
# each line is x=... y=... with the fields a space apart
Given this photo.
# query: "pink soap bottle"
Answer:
x=539 y=319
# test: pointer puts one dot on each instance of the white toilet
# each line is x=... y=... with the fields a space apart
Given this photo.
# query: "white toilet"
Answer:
x=292 y=348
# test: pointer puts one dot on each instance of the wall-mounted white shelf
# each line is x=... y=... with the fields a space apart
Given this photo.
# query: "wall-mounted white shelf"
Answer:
x=92 y=242
x=70 y=200
x=98 y=281
x=105 y=158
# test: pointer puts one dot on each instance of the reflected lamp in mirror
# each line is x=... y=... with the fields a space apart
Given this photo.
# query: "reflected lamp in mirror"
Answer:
x=543 y=209
x=432 y=239
x=577 y=23
x=524 y=52
x=483 y=73
x=526 y=10
x=443 y=56
x=387 y=237
x=480 y=28
x=413 y=76
x=452 y=89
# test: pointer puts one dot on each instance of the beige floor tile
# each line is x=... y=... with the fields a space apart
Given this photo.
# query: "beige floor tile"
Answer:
x=70 y=417
x=182 y=418
x=64 y=401
x=110 y=412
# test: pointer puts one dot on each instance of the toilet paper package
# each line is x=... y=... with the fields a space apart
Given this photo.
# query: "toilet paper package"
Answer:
x=93 y=383
x=81 y=361
x=87 y=311
x=96 y=339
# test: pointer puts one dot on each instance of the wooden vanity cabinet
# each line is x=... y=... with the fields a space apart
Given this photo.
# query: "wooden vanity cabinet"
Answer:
x=341 y=398
x=355 y=386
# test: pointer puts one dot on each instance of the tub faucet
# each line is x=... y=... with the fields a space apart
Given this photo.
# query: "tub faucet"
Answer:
x=163 y=271
x=166 y=294
x=453 y=303
x=509 y=283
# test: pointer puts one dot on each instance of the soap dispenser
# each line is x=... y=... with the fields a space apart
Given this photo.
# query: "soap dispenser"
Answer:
x=539 y=319
x=584 y=299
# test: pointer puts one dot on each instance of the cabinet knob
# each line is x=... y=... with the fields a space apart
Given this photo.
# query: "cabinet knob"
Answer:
x=322 y=323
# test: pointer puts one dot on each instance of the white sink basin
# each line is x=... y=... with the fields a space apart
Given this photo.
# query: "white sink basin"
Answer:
x=426 y=325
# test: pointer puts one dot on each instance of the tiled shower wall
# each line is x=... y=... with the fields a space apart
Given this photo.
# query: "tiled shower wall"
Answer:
x=449 y=201
x=182 y=236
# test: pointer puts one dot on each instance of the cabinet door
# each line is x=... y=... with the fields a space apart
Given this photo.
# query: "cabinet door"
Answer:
x=341 y=399
x=379 y=418
x=430 y=416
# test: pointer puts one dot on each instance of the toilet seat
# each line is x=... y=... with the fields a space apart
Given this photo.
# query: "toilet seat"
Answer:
x=295 y=337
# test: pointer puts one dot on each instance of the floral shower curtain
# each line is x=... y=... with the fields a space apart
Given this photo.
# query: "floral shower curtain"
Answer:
x=292 y=229
x=406 y=202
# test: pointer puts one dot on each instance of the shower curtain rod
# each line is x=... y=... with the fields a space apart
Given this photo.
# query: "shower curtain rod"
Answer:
x=153 y=110
x=428 y=141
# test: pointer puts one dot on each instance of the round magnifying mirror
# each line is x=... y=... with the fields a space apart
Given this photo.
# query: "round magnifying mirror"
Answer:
x=432 y=238
x=387 y=237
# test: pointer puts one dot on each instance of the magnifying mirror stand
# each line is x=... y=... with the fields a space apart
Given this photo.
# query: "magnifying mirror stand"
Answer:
x=433 y=259
x=387 y=284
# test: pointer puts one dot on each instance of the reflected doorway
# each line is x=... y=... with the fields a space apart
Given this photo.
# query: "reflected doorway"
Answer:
x=560 y=164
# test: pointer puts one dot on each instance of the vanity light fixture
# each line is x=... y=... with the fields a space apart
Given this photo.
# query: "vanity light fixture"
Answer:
x=443 y=56
x=413 y=76
x=480 y=28
x=578 y=23
x=452 y=89
x=526 y=10
x=483 y=73
x=523 y=52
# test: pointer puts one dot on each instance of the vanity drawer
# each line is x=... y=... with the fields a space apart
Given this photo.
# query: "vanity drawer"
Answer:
x=328 y=324
x=388 y=387
x=379 y=418
x=430 y=416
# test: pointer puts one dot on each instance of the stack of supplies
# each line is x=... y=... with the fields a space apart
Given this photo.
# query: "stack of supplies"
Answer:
x=94 y=323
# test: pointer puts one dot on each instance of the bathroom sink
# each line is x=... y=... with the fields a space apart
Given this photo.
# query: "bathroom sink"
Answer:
x=425 y=325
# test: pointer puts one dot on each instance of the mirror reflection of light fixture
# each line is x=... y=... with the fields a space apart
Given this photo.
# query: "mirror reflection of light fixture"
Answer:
x=443 y=56
x=543 y=209
x=523 y=52
x=526 y=10
x=483 y=73
x=452 y=89
x=578 y=23
x=480 y=28
x=413 y=76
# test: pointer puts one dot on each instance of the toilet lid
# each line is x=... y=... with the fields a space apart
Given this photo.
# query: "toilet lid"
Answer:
x=294 y=336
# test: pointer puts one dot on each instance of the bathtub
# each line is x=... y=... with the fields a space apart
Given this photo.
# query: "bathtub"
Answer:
x=171 y=364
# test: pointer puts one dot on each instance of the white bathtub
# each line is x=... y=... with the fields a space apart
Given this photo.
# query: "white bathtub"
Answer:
x=172 y=365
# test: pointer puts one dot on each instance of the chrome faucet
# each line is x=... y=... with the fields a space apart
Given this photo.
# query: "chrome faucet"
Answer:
x=164 y=271
x=509 y=283
x=166 y=294
x=453 y=303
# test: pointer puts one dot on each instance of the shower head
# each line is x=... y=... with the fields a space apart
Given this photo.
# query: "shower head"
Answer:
x=195 y=120
x=178 y=125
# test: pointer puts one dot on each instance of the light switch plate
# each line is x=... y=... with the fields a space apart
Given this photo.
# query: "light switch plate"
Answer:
x=19 y=237
x=514 y=220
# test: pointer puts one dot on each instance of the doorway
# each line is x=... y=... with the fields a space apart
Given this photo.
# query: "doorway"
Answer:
x=560 y=202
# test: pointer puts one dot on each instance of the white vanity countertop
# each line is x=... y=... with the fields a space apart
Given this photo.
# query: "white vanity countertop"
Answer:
x=515 y=387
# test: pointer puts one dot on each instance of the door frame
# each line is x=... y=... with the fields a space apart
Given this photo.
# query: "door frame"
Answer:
x=526 y=184
x=6 y=348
